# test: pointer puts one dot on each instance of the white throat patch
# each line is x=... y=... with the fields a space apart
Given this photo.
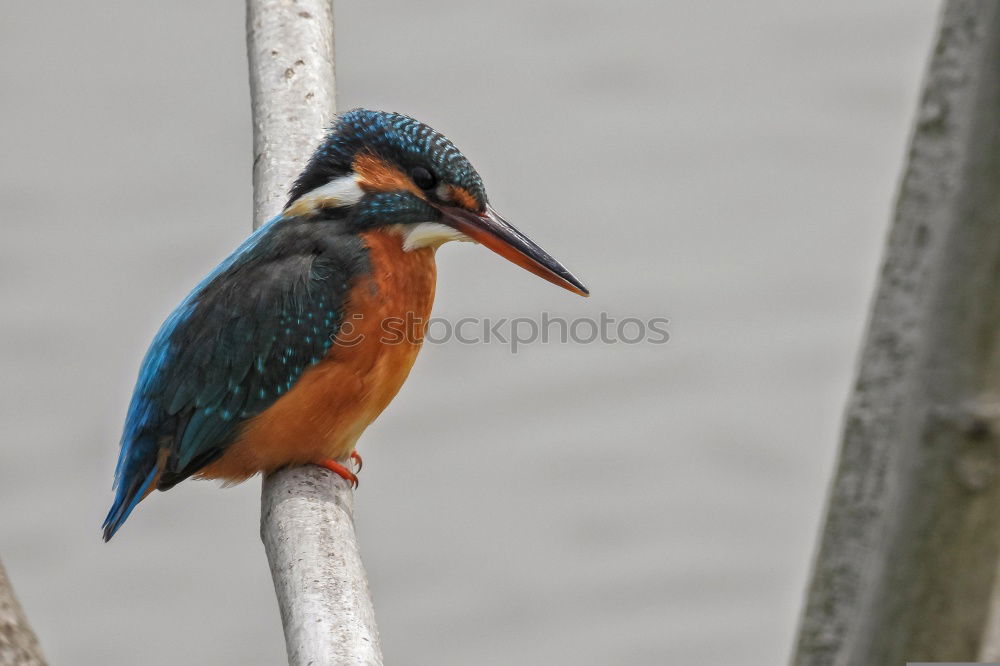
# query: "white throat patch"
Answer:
x=430 y=234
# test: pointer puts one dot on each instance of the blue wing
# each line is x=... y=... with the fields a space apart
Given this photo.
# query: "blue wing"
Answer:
x=237 y=343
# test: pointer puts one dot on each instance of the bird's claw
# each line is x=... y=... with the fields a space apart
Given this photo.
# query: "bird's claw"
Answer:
x=356 y=457
x=340 y=470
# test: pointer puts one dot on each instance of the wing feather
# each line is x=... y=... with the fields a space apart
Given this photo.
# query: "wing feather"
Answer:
x=230 y=350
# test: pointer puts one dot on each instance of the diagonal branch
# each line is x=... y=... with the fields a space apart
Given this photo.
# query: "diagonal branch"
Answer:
x=907 y=564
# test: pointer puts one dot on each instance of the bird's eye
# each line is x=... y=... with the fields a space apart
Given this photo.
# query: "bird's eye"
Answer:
x=423 y=178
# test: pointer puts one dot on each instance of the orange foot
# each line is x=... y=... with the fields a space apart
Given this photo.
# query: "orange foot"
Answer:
x=339 y=470
x=356 y=457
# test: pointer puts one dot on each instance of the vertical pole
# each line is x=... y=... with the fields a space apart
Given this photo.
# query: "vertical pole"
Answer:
x=307 y=522
x=290 y=49
x=18 y=645
x=908 y=558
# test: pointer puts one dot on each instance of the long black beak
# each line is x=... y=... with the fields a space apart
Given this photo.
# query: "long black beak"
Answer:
x=500 y=236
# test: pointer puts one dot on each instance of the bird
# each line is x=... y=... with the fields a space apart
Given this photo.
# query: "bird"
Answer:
x=279 y=356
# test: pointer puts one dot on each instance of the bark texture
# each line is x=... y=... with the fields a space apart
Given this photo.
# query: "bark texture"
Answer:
x=290 y=49
x=307 y=525
x=908 y=557
x=18 y=645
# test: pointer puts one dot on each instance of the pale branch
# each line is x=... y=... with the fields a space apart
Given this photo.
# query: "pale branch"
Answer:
x=307 y=522
x=290 y=49
x=307 y=525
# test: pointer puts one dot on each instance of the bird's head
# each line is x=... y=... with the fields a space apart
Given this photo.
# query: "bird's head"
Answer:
x=386 y=170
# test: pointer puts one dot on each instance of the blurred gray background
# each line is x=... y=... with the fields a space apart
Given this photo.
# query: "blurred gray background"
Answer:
x=730 y=166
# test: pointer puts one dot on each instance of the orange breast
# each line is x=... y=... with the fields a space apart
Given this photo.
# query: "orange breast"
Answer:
x=332 y=403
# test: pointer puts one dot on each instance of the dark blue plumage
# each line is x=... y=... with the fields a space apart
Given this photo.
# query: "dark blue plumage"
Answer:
x=395 y=137
x=232 y=348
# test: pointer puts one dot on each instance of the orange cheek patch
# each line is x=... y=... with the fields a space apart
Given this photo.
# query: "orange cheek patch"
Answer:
x=375 y=175
x=461 y=196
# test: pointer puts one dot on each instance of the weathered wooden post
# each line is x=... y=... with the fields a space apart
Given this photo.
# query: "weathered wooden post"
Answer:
x=908 y=561
x=307 y=523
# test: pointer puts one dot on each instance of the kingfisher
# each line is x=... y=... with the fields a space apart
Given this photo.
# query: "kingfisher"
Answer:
x=292 y=346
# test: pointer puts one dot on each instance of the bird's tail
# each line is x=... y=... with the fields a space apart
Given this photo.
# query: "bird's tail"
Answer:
x=134 y=477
